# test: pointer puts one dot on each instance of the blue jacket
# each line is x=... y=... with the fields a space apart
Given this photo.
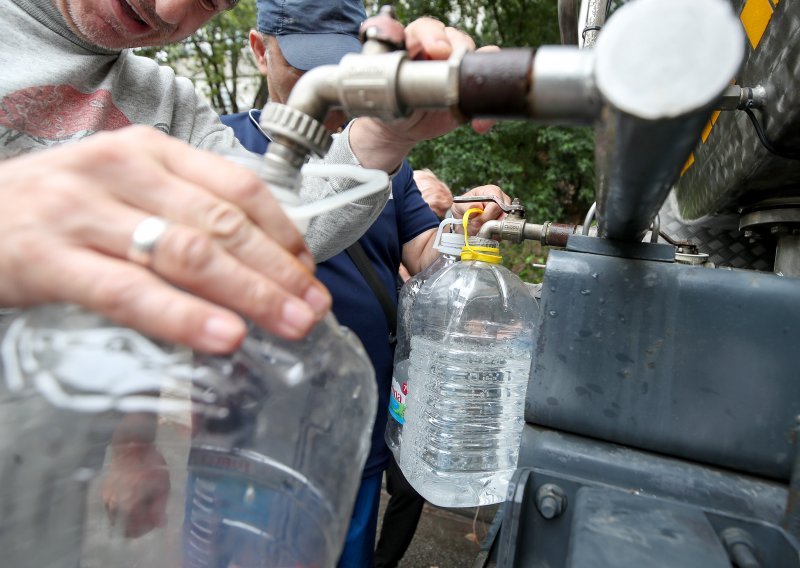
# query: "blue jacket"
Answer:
x=405 y=216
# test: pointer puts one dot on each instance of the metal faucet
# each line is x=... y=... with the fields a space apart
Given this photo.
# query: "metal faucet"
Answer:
x=647 y=121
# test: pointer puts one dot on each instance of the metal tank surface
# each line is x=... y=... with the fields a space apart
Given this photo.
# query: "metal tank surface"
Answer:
x=730 y=168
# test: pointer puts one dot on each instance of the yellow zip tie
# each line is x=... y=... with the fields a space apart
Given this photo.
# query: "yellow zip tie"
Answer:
x=484 y=254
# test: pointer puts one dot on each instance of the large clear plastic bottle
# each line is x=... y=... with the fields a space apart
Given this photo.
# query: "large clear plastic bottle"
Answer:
x=450 y=245
x=471 y=349
x=120 y=451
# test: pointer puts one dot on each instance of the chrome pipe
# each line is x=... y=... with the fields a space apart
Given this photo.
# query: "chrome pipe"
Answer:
x=316 y=92
x=787 y=255
x=563 y=90
x=660 y=68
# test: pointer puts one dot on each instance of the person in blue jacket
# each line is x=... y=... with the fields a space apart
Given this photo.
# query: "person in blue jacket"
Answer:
x=293 y=37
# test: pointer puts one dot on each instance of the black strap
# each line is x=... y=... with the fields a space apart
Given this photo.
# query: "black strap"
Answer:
x=360 y=259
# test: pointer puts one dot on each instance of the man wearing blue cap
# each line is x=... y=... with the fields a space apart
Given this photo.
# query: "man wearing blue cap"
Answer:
x=294 y=37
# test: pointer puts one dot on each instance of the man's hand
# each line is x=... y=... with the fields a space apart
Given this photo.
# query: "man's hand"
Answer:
x=419 y=252
x=69 y=214
x=383 y=145
x=434 y=191
x=430 y=39
x=491 y=210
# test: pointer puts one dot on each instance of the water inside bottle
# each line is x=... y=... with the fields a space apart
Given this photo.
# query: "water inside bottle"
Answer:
x=450 y=245
x=465 y=420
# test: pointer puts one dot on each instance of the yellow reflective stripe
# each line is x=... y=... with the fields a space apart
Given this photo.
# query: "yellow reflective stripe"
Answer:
x=709 y=125
x=706 y=131
x=688 y=163
x=755 y=17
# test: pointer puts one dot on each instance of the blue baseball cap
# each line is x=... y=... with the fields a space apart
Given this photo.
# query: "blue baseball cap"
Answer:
x=312 y=32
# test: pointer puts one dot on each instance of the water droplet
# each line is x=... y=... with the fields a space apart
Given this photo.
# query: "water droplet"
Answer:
x=585 y=292
x=594 y=275
x=553 y=313
x=250 y=494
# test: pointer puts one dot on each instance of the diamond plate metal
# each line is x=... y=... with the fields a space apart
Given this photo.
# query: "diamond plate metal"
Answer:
x=732 y=168
x=719 y=237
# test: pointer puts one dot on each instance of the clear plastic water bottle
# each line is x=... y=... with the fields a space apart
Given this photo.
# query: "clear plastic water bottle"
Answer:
x=450 y=245
x=121 y=451
x=471 y=349
x=118 y=450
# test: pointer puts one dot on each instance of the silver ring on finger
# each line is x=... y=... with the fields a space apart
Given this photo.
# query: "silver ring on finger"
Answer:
x=145 y=239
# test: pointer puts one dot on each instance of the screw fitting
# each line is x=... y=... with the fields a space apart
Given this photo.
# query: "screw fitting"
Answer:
x=551 y=501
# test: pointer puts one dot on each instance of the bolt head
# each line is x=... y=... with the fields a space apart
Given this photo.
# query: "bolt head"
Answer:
x=548 y=507
x=550 y=500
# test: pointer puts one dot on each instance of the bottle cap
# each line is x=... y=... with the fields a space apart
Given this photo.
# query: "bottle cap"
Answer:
x=448 y=243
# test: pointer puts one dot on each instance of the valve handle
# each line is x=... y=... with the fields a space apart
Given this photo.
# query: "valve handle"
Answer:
x=513 y=207
x=385 y=29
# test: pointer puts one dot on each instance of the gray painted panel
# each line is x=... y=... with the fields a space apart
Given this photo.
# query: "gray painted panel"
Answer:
x=687 y=361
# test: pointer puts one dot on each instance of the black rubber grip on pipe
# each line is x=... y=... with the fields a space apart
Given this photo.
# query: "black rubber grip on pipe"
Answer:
x=495 y=84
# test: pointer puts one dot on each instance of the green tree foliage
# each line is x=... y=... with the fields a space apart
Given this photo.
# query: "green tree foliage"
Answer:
x=216 y=56
x=550 y=170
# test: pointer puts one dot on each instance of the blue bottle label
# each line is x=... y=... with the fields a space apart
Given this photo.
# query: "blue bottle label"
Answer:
x=397 y=402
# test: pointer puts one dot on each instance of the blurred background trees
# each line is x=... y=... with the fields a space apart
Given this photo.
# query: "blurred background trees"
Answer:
x=217 y=59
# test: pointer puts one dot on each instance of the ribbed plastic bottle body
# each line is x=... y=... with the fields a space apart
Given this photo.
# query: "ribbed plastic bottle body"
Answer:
x=470 y=361
x=248 y=460
x=400 y=386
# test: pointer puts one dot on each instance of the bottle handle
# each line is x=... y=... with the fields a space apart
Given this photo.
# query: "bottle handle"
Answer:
x=450 y=221
x=372 y=181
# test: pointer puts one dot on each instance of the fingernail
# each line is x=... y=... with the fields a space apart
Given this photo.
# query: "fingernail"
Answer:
x=223 y=333
x=297 y=315
x=319 y=299
x=307 y=260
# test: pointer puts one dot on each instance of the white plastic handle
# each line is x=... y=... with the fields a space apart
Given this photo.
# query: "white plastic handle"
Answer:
x=444 y=223
x=372 y=181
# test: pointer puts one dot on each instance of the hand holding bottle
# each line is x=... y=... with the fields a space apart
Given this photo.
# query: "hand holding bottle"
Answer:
x=222 y=248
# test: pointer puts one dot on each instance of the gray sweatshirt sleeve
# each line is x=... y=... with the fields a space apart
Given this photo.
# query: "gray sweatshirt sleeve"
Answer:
x=331 y=233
